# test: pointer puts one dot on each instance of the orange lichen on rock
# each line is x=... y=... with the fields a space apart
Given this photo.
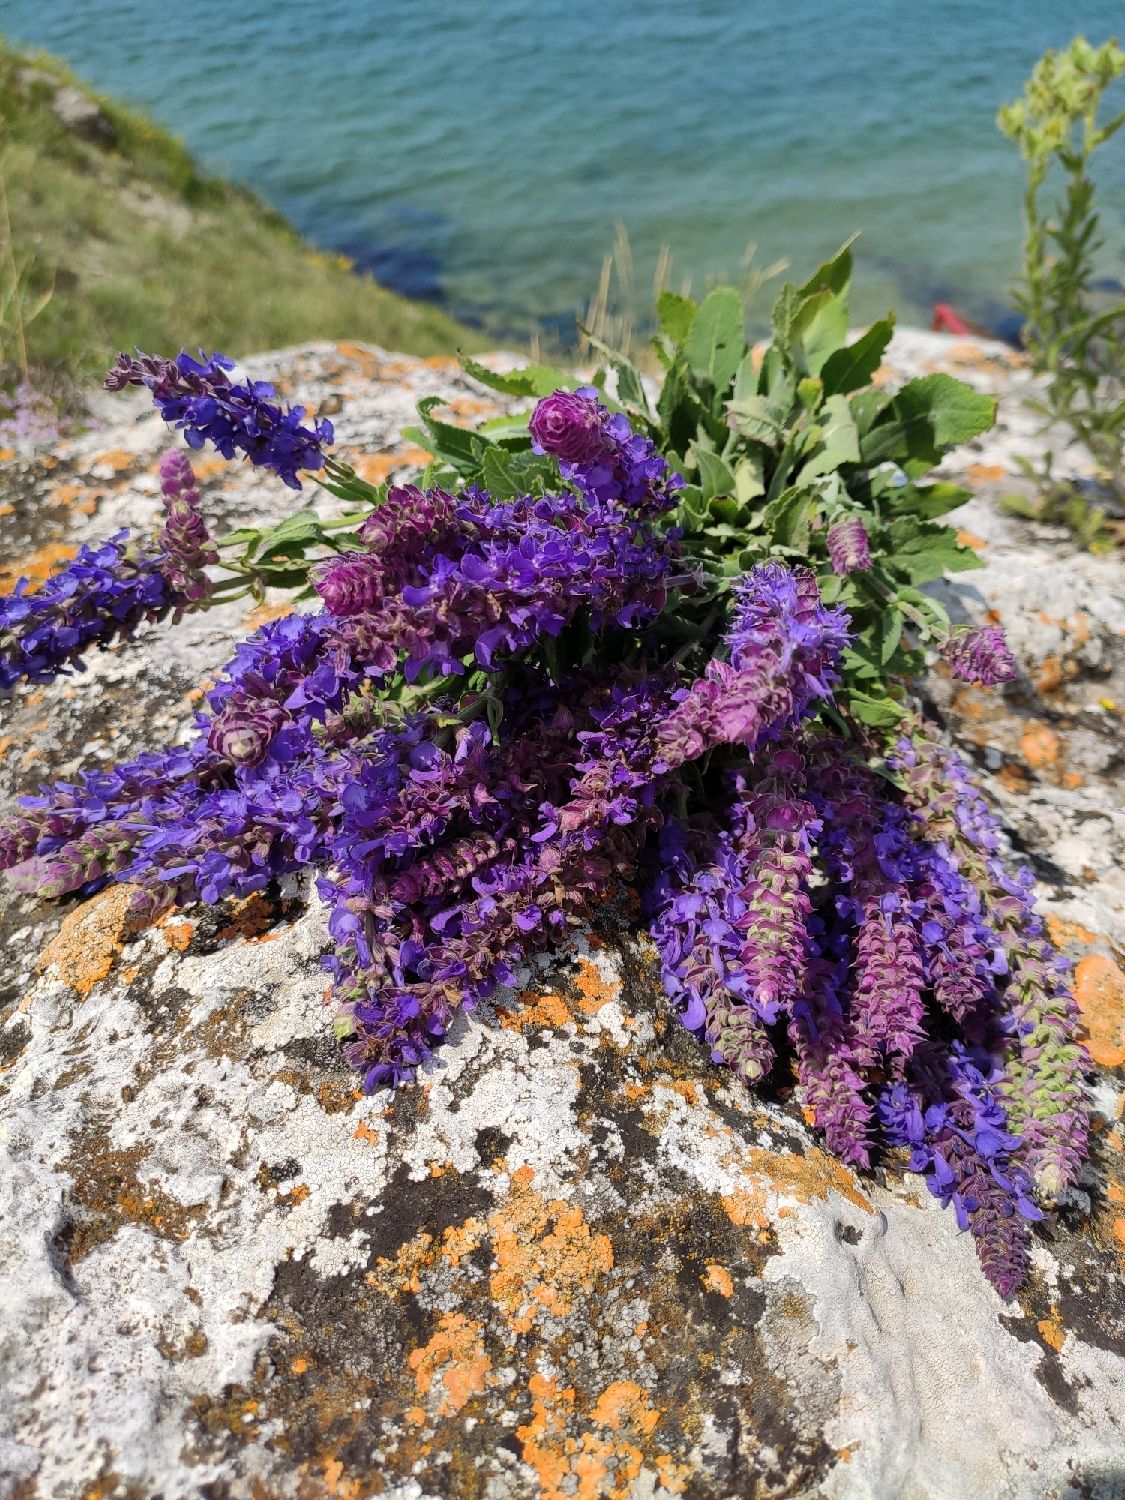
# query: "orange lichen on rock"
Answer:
x=207 y=468
x=1014 y=778
x=599 y=1457
x=625 y=1402
x=77 y=496
x=1099 y=990
x=107 y=1194
x=91 y=939
x=594 y=989
x=746 y=1207
x=1040 y=746
x=265 y=614
x=37 y=567
x=1051 y=1330
x=251 y=919
x=377 y=467
x=811 y=1175
x=454 y=1361
x=177 y=935
x=545 y=1257
x=687 y=1091
x=1066 y=934
x=717 y=1278
x=544 y=1436
x=117 y=459
x=357 y=354
x=986 y=473
x=467 y=407
x=336 y=1484
x=547 y=1009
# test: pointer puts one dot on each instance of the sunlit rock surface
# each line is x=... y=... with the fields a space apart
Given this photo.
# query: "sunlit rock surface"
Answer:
x=576 y=1260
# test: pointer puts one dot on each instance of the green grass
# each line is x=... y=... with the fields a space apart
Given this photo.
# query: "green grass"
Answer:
x=135 y=246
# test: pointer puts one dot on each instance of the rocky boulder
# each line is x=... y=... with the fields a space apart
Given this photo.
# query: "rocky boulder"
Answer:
x=576 y=1259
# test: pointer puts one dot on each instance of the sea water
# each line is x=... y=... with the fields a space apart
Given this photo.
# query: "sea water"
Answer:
x=482 y=153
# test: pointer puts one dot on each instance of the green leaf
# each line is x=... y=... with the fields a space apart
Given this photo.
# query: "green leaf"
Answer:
x=763 y=417
x=749 y=480
x=850 y=369
x=784 y=310
x=838 y=443
x=778 y=379
x=927 y=417
x=284 y=575
x=745 y=379
x=756 y=418
x=243 y=536
x=675 y=315
x=834 y=274
x=716 y=343
x=867 y=407
x=825 y=331
x=714 y=476
x=630 y=388
x=496 y=474
x=681 y=412
x=511 y=430
x=932 y=551
x=890 y=633
x=529 y=380
x=810 y=393
x=926 y=501
x=828 y=586
x=880 y=713
x=788 y=518
x=456 y=445
x=957 y=412
x=295 y=533
x=726 y=508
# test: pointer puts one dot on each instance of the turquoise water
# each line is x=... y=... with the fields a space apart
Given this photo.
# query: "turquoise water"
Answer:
x=481 y=154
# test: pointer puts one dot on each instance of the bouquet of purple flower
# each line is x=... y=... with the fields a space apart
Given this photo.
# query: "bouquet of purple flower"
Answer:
x=505 y=705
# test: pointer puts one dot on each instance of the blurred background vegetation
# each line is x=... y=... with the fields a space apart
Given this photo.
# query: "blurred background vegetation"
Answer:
x=112 y=237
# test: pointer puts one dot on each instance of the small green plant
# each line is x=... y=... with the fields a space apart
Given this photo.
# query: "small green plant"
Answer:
x=114 y=246
x=1074 y=334
x=788 y=452
x=19 y=304
x=615 y=316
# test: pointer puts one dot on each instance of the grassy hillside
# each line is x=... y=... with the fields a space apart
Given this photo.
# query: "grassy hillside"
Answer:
x=112 y=221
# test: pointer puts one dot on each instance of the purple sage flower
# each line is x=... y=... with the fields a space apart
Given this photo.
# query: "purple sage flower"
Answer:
x=184 y=542
x=199 y=397
x=243 y=731
x=99 y=597
x=571 y=425
x=848 y=548
x=980 y=656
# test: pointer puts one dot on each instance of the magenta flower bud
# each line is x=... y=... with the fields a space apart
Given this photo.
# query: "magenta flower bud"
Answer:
x=350 y=585
x=848 y=547
x=243 y=731
x=571 y=425
x=185 y=544
x=980 y=656
x=176 y=473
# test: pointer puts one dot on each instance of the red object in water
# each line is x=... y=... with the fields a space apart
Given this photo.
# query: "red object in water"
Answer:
x=947 y=319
